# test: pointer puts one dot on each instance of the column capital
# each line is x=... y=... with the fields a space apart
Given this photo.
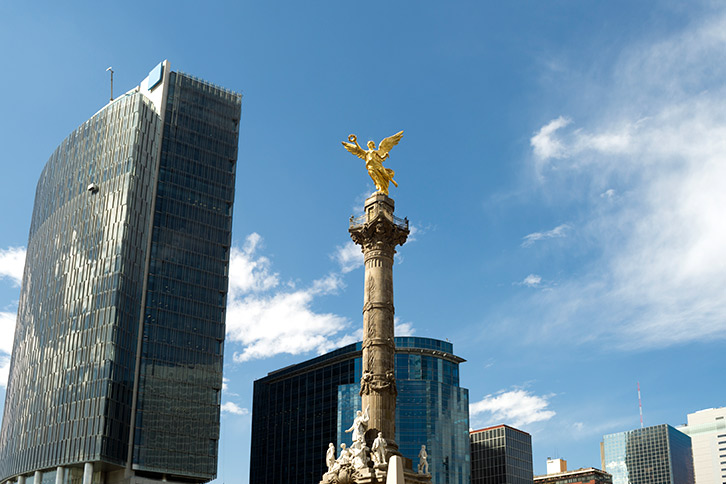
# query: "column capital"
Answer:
x=378 y=228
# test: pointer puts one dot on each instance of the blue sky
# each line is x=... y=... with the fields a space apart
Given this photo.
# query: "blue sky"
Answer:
x=562 y=165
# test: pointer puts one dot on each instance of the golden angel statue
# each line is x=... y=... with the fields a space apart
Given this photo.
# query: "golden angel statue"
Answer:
x=374 y=159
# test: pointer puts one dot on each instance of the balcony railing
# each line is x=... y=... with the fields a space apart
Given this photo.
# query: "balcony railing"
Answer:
x=361 y=220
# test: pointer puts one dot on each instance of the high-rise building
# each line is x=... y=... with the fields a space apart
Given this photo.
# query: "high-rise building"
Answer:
x=557 y=473
x=658 y=454
x=707 y=429
x=116 y=367
x=501 y=455
x=297 y=411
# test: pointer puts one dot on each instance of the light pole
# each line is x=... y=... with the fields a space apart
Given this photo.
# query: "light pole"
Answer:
x=110 y=69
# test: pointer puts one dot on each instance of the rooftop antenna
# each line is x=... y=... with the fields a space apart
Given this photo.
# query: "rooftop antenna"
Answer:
x=640 y=407
x=110 y=69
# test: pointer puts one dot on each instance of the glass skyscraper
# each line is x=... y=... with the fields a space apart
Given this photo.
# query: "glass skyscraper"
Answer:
x=116 y=368
x=297 y=411
x=501 y=455
x=651 y=455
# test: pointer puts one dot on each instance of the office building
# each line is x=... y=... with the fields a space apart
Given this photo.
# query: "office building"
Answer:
x=501 y=455
x=297 y=411
x=116 y=367
x=658 y=454
x=557 y=473
x=707 y=429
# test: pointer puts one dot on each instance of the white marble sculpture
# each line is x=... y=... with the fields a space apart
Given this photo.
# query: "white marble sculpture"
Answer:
x=330 y=457
x=360 y=425
x=359 y=453
x=423 y=463
x=379 y=449
x=344 y=456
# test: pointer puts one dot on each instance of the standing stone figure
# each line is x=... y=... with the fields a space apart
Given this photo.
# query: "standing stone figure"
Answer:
x=360 y=425
x=330 y=457
x=379 y=449
x=423 y=463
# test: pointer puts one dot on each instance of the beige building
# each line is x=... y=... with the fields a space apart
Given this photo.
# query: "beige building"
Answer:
x=707 y=429
x=557 y=473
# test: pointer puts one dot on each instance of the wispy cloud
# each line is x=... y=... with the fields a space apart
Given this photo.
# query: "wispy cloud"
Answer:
x=349 y=257
x=267 y=319
x=532 y=280
x=659 y=141
x=545 y=144
x=552 y=142
x=557 y=232
x=608 y=194
x=514 y=407
x=233 y=408
x=12 y=262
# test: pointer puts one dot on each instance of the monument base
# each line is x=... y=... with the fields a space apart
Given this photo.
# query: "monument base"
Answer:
x=397 y=471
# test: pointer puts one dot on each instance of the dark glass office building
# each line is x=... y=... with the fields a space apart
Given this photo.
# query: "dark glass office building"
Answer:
x=501 y=455
x=116 y=368
x=299 y=410
x=651 y=455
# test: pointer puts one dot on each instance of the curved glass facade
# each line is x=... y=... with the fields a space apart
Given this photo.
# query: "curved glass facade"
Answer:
x=431 y=409
x=128 y=251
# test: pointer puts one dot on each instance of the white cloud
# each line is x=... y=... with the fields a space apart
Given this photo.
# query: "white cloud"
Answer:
x=414 y=232
x=532 y=280
x=12 y=262
x=516 y=408
x=225 y=388
x=608 y=194
x=7 y=334
x=659 y=141
x=7 y=331
x=268 y=320
x=233 y=408
x=401 y=329
x=4 y=370
x=247 y=273
x=557 y=232
x=349 y=256
x=545 y=144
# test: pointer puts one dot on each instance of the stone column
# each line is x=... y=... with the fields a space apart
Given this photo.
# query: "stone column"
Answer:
x=87 y=473
x=378 y=232
x=60 y=475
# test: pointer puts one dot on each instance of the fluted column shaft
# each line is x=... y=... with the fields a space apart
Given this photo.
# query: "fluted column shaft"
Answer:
x=378 y=234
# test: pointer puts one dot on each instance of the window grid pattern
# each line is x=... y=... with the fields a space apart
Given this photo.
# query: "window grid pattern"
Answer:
x=294 y=418
x=299 y=410
x=501 y=455
x=69 y=392
x=177 y=414
x=431 y=410
x=653 y=455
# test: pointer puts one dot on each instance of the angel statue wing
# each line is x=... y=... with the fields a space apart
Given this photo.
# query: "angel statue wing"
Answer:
x=354 y=147
x=388 y=143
